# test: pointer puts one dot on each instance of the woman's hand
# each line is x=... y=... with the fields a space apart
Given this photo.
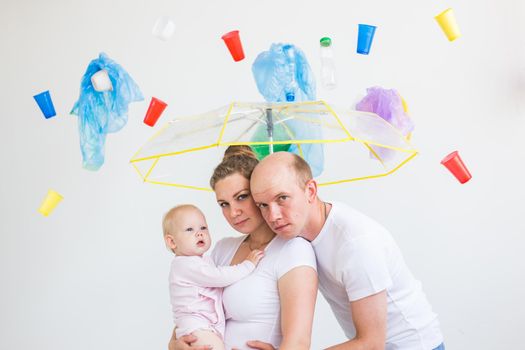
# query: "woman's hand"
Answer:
x=255 y=344
x=184 y=343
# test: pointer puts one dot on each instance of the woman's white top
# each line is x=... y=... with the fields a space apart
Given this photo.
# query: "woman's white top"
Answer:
x=252 y=305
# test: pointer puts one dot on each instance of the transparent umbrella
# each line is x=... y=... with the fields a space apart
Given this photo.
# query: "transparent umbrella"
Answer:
x=337 y=145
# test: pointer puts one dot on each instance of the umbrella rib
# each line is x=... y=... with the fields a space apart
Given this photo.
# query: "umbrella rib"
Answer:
x=289 y=132
x=180 y=185
x=247 y=130
x=150 y=139
x=151 y=169
x=395 y=148
x=138 y=171
x=240 y=118
x=371 y=176
x=337 y=118
x=174 y=153
x=375 y=154
x=221 y=134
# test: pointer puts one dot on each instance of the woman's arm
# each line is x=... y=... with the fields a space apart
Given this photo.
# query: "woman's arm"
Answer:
x=298 y=293
x=184 y=343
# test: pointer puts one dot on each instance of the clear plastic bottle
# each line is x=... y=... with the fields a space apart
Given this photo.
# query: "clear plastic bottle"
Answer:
x=327 y=64
x=291 y=87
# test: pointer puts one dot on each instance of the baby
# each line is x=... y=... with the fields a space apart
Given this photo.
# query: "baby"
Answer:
x=195 y=282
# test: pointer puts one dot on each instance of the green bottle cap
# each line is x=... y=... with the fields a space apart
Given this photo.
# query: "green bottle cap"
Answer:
x=326 y=41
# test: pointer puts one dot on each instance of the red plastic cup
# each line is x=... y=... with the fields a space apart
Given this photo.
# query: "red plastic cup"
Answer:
x=155 y=109
x=456 y=166
x=233 y=42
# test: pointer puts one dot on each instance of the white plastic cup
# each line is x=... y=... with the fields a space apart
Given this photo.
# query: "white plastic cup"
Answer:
x=101 y=82
x=164 y=28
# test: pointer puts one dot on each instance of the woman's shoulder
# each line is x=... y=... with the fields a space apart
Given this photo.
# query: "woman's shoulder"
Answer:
x=228 y=242
x=223 y=249
x=297 y=243
x=295 y=252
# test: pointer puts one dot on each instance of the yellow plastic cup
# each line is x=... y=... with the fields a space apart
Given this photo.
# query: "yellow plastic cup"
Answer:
x=50 y=202
x=447 y=22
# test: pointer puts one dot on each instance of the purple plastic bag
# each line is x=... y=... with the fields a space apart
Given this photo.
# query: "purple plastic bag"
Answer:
x=388 y=105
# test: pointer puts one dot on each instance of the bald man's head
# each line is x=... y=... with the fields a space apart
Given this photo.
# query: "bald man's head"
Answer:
x=283 y=189
x=285 y=163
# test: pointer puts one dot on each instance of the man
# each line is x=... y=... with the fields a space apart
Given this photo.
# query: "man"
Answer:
x=362 y=274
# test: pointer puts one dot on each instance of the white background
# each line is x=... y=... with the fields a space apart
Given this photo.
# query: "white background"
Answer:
x=93 y=275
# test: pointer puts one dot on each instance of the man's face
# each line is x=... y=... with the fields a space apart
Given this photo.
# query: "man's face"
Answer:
x=283 y=203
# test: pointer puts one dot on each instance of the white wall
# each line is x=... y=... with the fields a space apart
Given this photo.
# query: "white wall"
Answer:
x=93 y=274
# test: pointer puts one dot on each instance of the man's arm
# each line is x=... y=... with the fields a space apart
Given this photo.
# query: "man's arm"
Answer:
x=369 y=316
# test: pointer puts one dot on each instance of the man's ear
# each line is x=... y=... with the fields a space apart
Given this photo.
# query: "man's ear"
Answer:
x=311 y=190
x=170 y=243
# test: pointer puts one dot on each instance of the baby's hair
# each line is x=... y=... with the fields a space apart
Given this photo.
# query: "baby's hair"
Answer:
x=237 y=159
x=171 y=217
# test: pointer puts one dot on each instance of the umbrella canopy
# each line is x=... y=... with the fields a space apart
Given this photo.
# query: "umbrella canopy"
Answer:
x=339 y=146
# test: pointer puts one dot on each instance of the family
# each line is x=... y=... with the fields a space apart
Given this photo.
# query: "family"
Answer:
x=258 y=290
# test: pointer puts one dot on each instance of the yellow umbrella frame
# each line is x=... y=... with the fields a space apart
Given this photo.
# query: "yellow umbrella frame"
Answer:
x=301 y=112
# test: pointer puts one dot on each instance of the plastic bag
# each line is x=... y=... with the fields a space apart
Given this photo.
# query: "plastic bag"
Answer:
x=283 y=74
x=282 y=71
x=102 y=112
x=388 y=105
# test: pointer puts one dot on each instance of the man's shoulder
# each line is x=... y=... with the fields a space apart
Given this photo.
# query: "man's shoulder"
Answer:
x=352 y=223
x=344 y=215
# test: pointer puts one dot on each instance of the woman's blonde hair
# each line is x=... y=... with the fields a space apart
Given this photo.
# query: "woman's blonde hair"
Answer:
x=237 y=159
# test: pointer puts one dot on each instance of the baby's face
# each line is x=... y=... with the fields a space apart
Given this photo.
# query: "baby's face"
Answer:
x=190 y=233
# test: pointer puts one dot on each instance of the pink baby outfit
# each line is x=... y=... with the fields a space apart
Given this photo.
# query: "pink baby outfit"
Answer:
x=196 y=292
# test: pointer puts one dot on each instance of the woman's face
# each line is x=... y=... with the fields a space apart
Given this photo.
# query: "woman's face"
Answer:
x=235 y=199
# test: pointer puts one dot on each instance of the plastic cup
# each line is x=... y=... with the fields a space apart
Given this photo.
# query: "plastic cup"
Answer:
x=456 y=166
x=50 y=202
x=233 y=42
x=163 y=28
x=447 y=22
x=155 y=109
x=101 y=82
x=365 y=38
x=45 y=103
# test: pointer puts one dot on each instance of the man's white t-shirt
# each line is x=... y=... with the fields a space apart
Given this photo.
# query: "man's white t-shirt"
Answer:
x=252 y=305
x=356 y=258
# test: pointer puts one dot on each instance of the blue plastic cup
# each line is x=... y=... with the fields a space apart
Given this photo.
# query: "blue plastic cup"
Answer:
x=45 y=103
x=365 y=38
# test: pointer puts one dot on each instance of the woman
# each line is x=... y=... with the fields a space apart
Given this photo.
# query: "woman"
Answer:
x=275 y=304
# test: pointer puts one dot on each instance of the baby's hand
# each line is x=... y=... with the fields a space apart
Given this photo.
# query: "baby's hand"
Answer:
x=255 y=256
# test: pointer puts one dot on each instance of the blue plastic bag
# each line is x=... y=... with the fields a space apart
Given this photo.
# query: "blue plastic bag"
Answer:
x=283 y=74
x=102 y=112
